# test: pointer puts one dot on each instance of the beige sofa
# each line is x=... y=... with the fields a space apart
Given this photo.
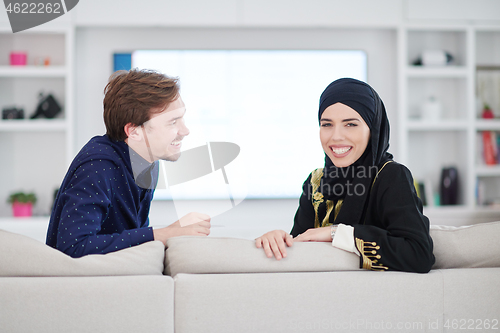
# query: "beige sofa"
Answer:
x=228 y=285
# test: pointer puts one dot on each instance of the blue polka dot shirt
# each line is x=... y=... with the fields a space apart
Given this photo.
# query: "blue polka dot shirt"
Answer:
x=99 y=207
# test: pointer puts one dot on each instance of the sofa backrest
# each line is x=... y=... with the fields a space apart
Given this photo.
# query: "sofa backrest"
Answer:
x=191 y=254
x=466 y=247
x=454 y=247
x=23 y=256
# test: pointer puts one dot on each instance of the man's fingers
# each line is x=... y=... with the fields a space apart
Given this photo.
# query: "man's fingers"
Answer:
x=204 y=224
x=205 y=230
x=199 y=224
x=204 y=217
x=289 y=240
x=194 y=218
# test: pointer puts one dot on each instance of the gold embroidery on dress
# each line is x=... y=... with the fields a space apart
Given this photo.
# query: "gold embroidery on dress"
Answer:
x=337 y=207
x=368 y=250
x=383 y=166
x=329 y=209
x=317 y=197
x=370 y=255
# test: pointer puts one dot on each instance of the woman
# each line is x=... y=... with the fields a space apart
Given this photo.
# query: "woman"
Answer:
x=362 y=201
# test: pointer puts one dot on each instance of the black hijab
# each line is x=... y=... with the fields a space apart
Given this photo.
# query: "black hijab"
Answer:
x=353 y=183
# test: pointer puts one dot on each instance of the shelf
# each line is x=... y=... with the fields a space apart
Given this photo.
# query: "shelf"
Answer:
x=443 y=125
x=490 y=67
x=437 y=72
x=34 y=227
x=31 y=219
x=41 y=125
x=488 y=125
x=33 y=71
x=488 y=170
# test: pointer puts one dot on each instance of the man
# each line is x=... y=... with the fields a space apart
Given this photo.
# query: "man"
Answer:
x=103 y=202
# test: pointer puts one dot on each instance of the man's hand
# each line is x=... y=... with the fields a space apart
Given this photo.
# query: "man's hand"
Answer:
x=315 y=235
x=192 y=224
x=273 y=242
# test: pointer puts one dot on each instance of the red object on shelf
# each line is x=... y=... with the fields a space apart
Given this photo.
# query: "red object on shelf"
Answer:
x=488 y=149
x=22 y=209
x=487 y=113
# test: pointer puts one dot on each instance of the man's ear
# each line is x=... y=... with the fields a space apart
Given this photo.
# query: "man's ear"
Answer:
x=133 y=132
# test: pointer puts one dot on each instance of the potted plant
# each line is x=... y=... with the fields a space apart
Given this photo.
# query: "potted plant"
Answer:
x=22 y=203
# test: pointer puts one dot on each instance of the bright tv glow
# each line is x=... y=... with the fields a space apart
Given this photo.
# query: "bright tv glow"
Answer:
x=265 y=101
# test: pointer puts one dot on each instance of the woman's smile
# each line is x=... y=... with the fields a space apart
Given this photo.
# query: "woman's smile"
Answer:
x=340 y=151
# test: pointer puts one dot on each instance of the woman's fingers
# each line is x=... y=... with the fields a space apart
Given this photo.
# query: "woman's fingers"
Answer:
x=267 y=248
x=276 y=248
x=274 y=243
x=258 y=242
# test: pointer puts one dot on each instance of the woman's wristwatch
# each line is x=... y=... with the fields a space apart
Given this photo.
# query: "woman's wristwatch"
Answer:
x=333 y=230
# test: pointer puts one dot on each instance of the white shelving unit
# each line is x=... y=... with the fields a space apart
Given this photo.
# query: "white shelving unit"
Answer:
x=487 y=59
x=28 y=162
x=426 y=146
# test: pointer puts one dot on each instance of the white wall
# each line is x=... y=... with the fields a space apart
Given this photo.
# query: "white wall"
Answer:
x=239 y=13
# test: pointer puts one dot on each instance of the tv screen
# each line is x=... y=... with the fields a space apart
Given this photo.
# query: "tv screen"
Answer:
x=264 y=101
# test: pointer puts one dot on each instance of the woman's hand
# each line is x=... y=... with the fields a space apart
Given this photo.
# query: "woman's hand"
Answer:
x=273 y=242
x=315 y=235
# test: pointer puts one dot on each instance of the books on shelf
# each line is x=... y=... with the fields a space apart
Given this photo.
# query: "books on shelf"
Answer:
x=425 y=193
x=490 y=147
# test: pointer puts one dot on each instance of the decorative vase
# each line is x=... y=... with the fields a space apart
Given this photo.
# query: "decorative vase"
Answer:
x=20 y=209
x=487 y=113
x=431 y=109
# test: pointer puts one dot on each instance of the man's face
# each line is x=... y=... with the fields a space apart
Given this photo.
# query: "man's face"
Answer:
x=165 y=131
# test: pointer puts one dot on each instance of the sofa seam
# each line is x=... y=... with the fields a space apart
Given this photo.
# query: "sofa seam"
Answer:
x=443 y=299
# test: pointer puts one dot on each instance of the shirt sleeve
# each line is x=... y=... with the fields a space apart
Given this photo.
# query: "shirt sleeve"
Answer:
x=86 y=204
x=400 y=239
x=344 y=239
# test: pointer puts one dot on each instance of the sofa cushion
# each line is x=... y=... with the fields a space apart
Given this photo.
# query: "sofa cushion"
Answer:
x=24 y=256
x=192 y=254
x=467 y=246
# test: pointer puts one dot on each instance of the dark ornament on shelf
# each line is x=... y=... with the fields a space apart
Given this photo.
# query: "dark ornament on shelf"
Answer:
x=12 y=113
x=449 y=186
x=48 y=107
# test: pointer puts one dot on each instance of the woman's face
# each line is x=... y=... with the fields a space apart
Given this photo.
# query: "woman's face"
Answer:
x=344 y=134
